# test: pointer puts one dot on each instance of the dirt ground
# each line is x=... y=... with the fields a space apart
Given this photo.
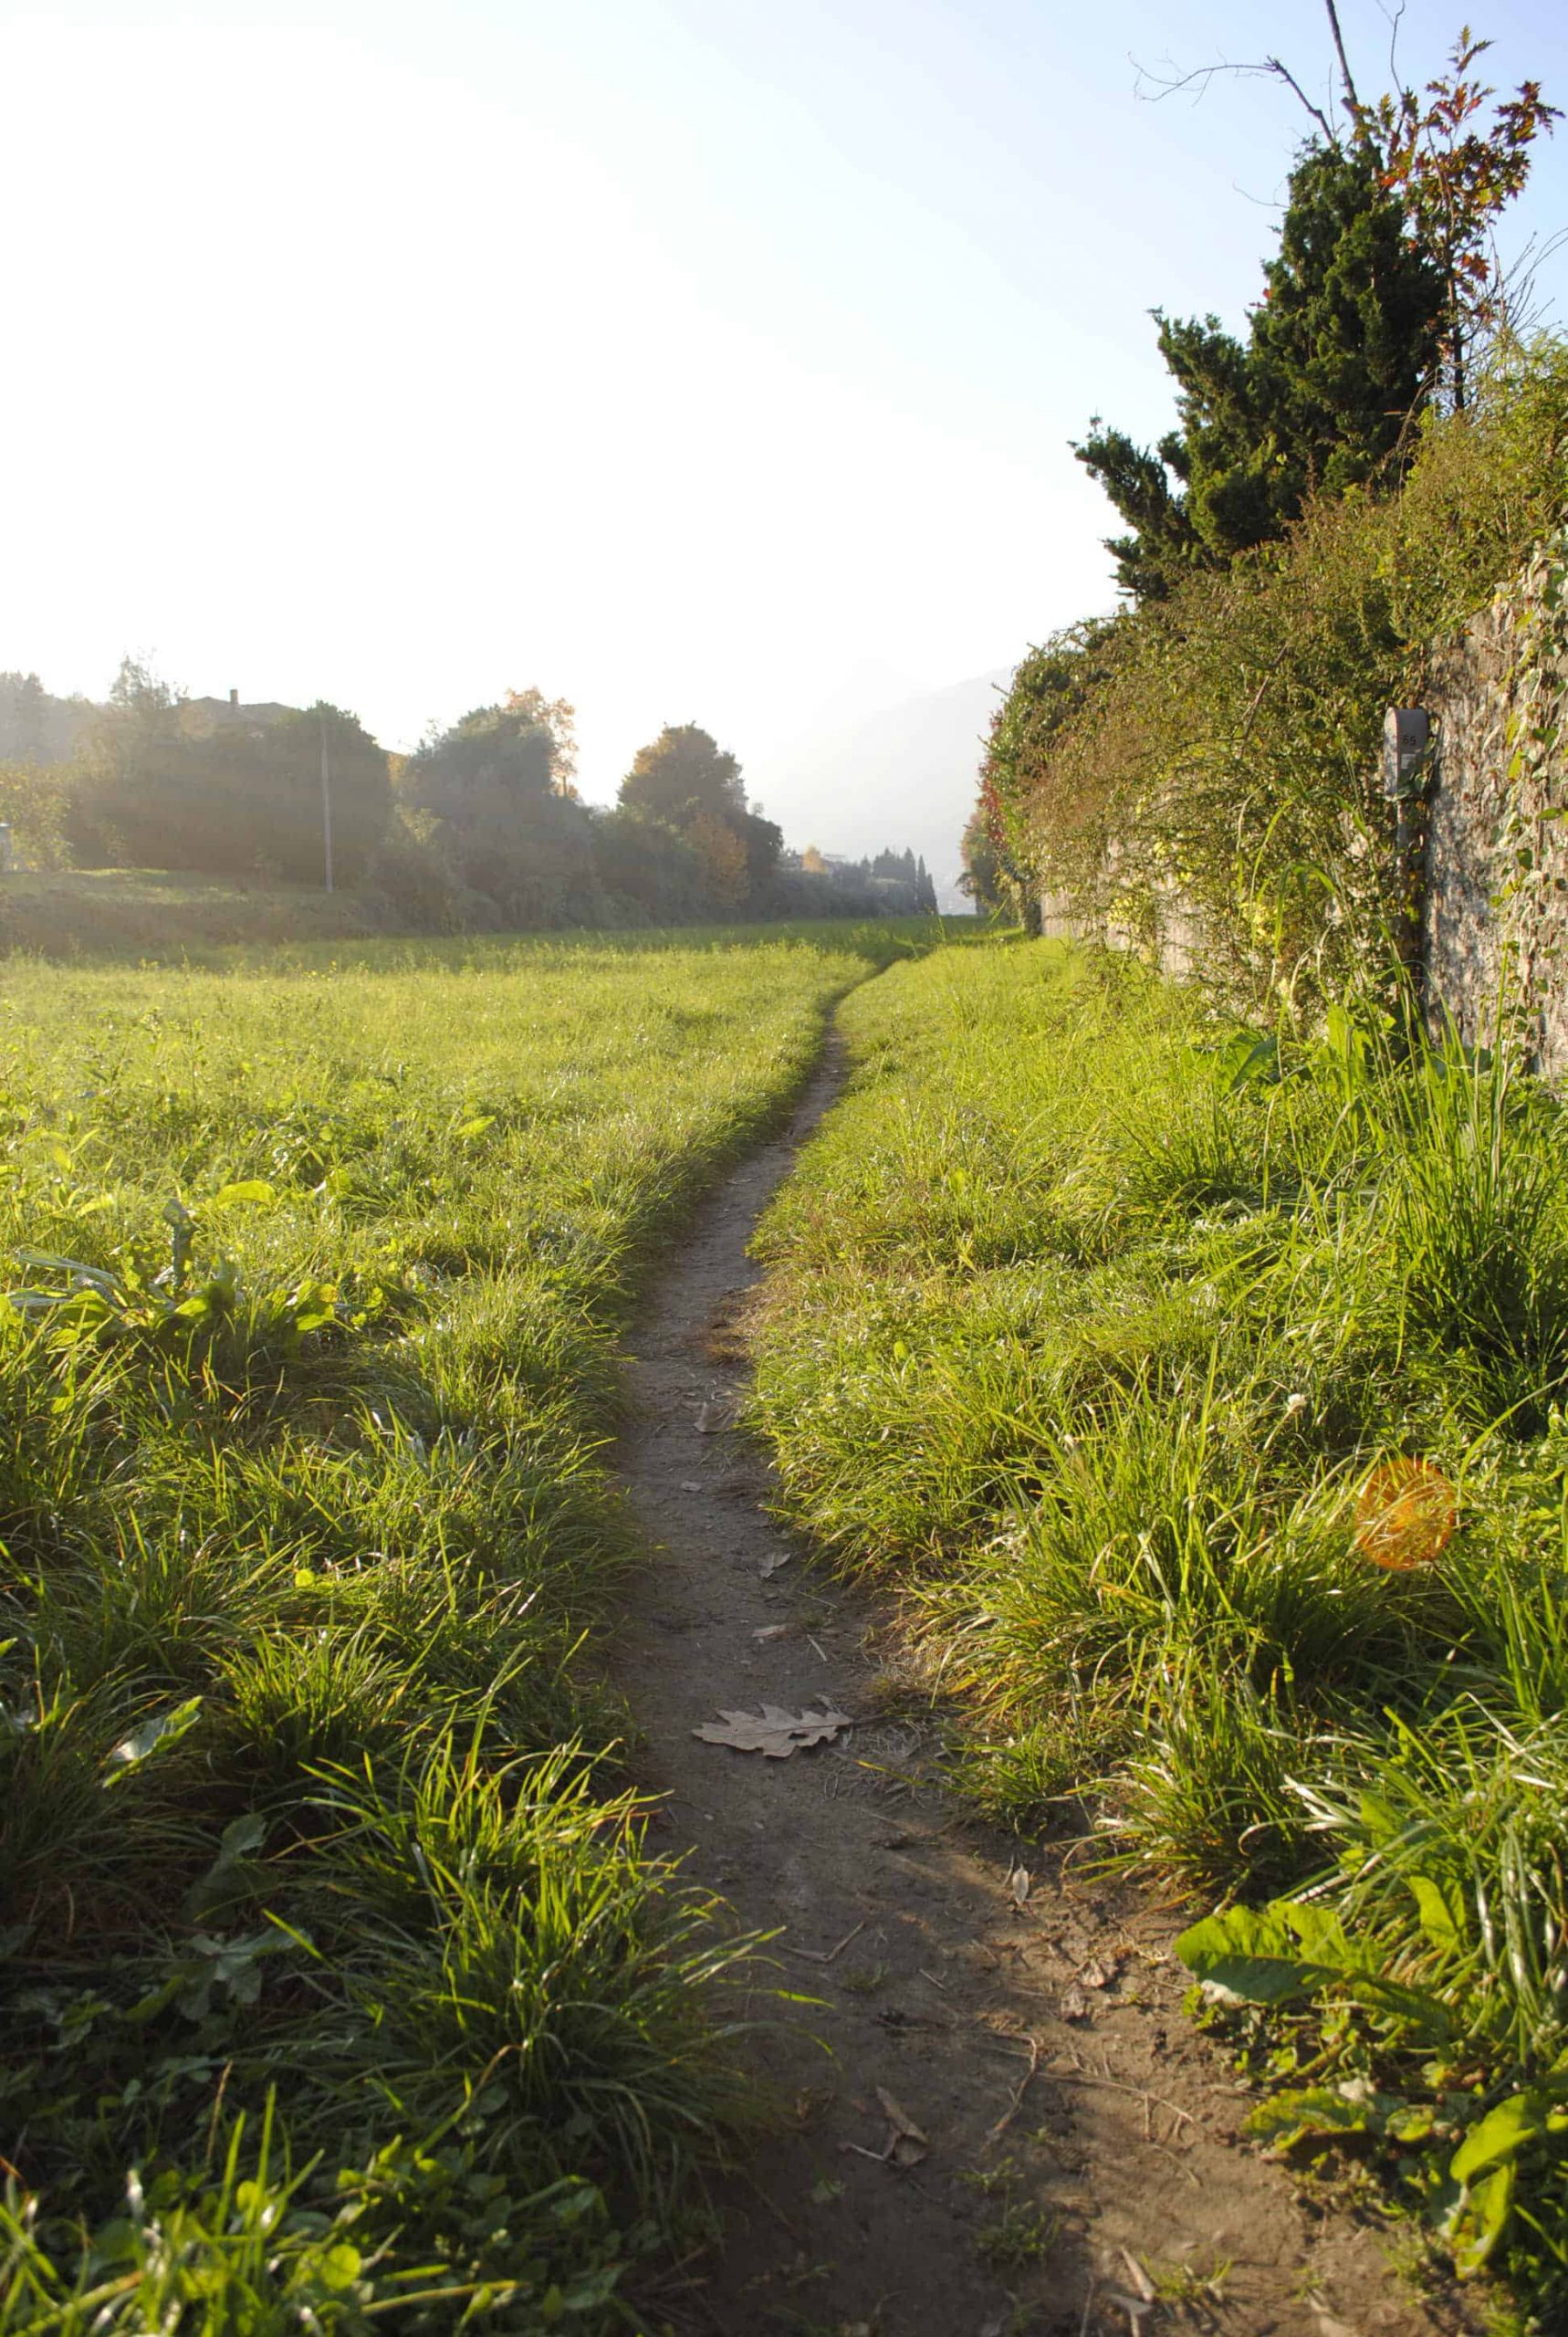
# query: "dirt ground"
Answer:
x=1069 y=2161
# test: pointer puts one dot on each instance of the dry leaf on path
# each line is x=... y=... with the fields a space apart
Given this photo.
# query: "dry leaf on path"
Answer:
x=772 y=1564
x=906 y=2146
x=691 y=1484
x=771 y=1631
x=773 y=1732
x=1074 y=2004
x=710 y=1419
x=898 y=2119
x=1140 y=2278
x=1018 y=1882
x=1096 y=1976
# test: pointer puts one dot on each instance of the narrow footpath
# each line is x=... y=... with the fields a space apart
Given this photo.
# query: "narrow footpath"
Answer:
x=994 y=2121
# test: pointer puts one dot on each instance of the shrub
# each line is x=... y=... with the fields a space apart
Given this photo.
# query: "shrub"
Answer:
x=1225 y=755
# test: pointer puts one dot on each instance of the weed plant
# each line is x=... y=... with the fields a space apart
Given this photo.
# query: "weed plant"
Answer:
x=339 y=1982
x=1088 y=1317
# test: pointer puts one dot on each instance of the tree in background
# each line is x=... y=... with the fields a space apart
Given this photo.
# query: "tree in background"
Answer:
x=22 y=717
x=35 y=726
x=35 y=803
x=497 y=788
x=720 y=848
x=651 y=874
x=682 y=772
x=1047 y=689
x=982 y=878
x=165 y=782
x=685 y=780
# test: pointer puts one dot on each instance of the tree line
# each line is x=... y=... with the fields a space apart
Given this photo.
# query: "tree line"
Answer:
x=482 y=826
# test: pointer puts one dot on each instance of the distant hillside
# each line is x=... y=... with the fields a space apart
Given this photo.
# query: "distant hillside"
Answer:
x=907 y=774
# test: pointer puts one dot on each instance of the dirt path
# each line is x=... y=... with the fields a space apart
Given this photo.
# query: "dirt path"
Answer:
x=1078 y=2137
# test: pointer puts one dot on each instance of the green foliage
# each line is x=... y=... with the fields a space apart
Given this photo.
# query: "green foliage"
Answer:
x=321 y=1905
x=686 y=780
x=681 y=773
x=1336 y=367
x=1455 y=178
x=1088 y=1315
x=1227 y=756
x=493 y=808
x=34 y=800
x=982 y=878
x=1048 y=688
x=168 y=782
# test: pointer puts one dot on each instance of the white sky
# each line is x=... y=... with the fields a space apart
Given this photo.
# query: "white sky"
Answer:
x=696 y=359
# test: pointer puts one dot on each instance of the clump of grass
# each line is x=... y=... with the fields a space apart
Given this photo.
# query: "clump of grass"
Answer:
x=1114 y=1481
x=323 y=1906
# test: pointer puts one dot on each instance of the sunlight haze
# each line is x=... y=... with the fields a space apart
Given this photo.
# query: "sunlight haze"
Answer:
x=693 y=362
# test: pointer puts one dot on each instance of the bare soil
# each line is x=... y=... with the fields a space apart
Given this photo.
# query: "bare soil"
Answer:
x=1078 y=2167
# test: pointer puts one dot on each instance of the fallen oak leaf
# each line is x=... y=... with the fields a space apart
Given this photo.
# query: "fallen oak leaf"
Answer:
x=773 y=1732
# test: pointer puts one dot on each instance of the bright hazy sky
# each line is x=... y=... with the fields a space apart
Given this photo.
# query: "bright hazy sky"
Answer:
x=706 y=360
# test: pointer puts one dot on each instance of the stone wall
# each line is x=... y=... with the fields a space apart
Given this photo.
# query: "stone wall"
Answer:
x=1496 y=888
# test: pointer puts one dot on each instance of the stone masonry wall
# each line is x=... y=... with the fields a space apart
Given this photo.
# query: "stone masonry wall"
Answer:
x=1497 y=852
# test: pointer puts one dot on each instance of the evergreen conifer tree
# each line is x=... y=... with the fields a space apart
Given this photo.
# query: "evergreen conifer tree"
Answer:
x=1340 y=356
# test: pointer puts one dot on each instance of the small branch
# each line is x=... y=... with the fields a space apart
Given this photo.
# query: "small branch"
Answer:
x=1011 y=2111
x=1271 y=68
x=1077 y=2075
x=815 y=1955
x=1395 y=16
x=1345 y=72
x=1276 y=65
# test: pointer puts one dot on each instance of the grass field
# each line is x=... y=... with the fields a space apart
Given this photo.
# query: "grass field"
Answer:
x=164 y=917
x=337 y=1983
x=151 y=913
x=1088 y=1322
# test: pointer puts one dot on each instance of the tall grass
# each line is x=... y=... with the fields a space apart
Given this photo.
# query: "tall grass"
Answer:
x=1088 y=1319
x=338 y=1978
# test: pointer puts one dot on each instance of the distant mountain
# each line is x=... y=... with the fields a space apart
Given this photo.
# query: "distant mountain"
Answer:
x=903 y=776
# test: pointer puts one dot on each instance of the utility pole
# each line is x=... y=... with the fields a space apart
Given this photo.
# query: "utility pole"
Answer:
x=325 y=802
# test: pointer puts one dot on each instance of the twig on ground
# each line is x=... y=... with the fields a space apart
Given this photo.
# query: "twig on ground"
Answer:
x=816 y=1956
x=1011 y=2113
x=1077 y=2075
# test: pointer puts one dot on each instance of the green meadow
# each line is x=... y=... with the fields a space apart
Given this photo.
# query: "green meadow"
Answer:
x=338 y=1979
x=1090 y=1320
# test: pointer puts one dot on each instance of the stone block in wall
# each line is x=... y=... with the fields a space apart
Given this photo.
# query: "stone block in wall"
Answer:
x=1495 y=690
